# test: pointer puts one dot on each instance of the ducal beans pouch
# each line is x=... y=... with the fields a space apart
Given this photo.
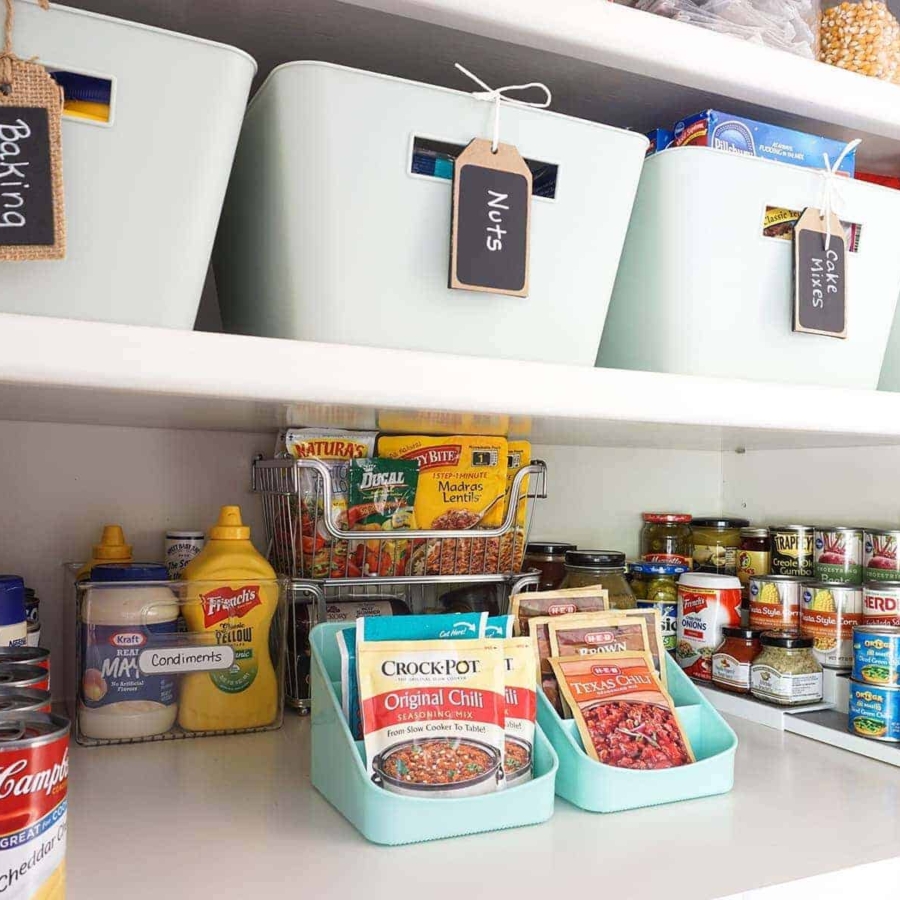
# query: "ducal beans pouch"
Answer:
x=433 y=715
x=382 y=494
x=521 y=710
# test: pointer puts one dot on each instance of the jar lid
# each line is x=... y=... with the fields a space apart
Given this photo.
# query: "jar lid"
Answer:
x=787 y=639
x=129 y=572
x=853 y=528
x=665 y=518
x=12 y=600
x=655 y=568
x=736 y=631
x=595 y=559
x=721 y=522
x=549 y=548
x=710 y=580
x=755 y=532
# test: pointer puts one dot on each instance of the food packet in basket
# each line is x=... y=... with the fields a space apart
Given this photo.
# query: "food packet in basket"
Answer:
x=499 y=627
x=433 y=716
x=512 y=544
x=382 y=494
x=656 y=646
x=521 y=710
x=624 y=716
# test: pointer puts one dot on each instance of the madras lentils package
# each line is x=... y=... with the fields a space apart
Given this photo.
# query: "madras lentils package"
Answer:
x=521 y=710
x=433 y=716
x=624 y=716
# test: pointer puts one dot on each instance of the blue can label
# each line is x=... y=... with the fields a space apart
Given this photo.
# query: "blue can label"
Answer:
x=876 y=655
x=668 y=615
x=874 y=711
x=110 y=670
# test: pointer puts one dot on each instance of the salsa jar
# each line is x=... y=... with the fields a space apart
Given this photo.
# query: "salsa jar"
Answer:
x=706 y=604
x=792 y=550
x=654 y=587
x=604 y=568
x=881 y=603
x=733 y=657
x=786 y=671
x=754 y=555
x=666 y=538
x=829 y=611
x=838 y=554
x=775 y=602
x=549 y=558
x=716 y=544
x=880 y=560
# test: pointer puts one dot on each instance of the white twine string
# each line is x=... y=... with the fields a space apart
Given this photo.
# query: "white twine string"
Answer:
x=498 y=96
x=830 y=195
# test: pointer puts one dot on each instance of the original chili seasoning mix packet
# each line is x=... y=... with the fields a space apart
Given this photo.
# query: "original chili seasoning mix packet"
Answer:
x=433 y=715
x=624 y=716
x=521 y=709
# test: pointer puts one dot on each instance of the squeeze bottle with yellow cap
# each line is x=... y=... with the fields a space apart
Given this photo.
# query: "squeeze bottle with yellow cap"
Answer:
x=228 y=601
x=112 y=548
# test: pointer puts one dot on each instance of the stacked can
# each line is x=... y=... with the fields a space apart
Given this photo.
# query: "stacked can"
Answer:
x=874 y=710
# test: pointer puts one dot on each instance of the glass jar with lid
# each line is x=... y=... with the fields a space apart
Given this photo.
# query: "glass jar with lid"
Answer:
x=755 y=554
x=605 y=568
x=733 y=657
x=654 y=586
x=716 y=542
x=666 y=538
x=549 y=558
x=786 y=671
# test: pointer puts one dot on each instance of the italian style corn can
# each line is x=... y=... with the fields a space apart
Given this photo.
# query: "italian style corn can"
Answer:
x=775 y=601
x=829 y=612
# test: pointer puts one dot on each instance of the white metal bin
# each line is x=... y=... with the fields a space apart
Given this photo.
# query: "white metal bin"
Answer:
x=328 y=233
x=701 y=291
x=143 y=190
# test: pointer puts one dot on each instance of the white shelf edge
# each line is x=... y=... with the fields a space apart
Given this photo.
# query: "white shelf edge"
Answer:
x=831 y=728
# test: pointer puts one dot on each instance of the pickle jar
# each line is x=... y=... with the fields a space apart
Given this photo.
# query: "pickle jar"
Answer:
x=549 y=558
x=654 y=587
x=716 y=544
x=666 y=538
x=603 y=568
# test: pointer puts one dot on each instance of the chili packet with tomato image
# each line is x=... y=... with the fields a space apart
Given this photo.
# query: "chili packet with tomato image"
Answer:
x=624 y=716
x=521 y=710
x=433 y=716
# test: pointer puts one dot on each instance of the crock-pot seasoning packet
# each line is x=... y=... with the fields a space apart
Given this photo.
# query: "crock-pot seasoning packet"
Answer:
x=433 y=715
x=382 y=494
x=624 y=716
x=521 y=709
x=461 y=478
x=499 y=627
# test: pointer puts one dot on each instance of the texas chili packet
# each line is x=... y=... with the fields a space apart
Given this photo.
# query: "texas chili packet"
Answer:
x=624 y=716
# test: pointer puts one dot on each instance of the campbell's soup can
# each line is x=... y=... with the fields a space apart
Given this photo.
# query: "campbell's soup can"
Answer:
x=30 y=656
x=838 y=554
x=34 y=773
x=829 y=611
x=881 y=603
x=792 y=550
x=23 y=700
x=23 y=675
x=706 y=604
x=880 y=560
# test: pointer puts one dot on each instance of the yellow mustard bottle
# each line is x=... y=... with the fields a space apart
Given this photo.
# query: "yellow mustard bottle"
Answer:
x=227 y=601
x=112 y=548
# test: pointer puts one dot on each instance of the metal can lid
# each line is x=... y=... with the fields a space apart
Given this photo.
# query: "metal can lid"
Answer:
x=855 y=529
x=833 y=585
x=721 y=522
x=737 y=631
x=17 y=699
x=710 y=580
x=885 y=531
x=20 y=674
x=799 y=579
x=595 y=559
x=877 y=586
x=549 y=548
x=185 y=535
x=792 y=528
x=755 y=532
x=790 y=640
x=892 y=630
x=23 y=654
x=657 y=568
x=30 y=729
x=666 y=518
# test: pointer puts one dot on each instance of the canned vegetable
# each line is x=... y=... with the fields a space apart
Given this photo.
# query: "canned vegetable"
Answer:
x=775 y=601
x=829 y=611
x=874 y=711
x=792 y=550
x=876 y=654
x=838 y=554
x=881 y=603
x=880 y=561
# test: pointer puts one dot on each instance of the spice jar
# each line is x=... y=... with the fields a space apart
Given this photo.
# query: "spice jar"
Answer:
x=716 y=544
x=786 y=672
x=666 y=538
x=733 y=657
x=549 y=558
x=860 y=37
x=604 y=568
x=755 y=554
x=654 y=587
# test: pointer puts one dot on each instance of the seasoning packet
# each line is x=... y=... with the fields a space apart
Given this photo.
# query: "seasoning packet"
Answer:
x=656 y=647
x=528 y=605
x=499 y=627
x=382 y=494
x=433 y=715
x=624 y=716
x=521 y=710
x=512 y=544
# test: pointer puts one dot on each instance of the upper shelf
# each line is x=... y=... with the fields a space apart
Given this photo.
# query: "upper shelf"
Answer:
x=67 y=371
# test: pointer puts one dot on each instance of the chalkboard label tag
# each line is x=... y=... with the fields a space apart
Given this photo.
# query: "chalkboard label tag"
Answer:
x=32 y=217
x=489 y=242
x=820 y=276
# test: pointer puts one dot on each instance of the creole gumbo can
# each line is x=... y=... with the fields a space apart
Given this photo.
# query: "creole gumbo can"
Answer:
x=792 y=550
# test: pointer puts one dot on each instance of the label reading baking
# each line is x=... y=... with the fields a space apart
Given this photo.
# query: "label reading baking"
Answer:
x=728 y=670
x=819 y=276
x=490 y=225
x=773 y=685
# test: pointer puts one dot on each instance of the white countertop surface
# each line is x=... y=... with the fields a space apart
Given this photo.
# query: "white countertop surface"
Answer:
x=236 y=817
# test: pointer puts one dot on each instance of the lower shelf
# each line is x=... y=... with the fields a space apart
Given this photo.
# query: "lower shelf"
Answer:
x=830 y=727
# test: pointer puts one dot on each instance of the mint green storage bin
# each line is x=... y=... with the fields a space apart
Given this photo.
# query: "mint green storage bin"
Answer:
x=339 y=773
x=598 y=788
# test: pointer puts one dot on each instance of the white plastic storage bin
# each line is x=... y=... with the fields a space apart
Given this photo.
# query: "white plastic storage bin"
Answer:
x=890 y=370
x=328 y=235
x=143 y=190
x=701 y=291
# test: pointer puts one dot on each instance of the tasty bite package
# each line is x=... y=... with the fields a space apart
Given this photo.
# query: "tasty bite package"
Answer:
x=433 y=716
x=462 y=479
x=624 y=716
x=521 y=710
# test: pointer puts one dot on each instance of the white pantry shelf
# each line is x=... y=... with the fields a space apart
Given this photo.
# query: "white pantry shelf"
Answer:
x=56 y=370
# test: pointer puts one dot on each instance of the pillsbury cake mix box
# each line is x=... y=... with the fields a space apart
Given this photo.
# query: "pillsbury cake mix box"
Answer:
x=724 y=131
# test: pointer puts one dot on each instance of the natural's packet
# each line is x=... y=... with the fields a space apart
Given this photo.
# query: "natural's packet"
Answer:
x=624 y=716
x=521 y=710
x=433 y=715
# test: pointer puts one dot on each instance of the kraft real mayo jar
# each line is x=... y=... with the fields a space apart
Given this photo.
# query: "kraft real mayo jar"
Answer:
x=121 y=611
x=13 y=619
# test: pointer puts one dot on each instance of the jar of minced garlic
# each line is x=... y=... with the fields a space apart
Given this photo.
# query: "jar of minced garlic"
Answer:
x=861 y=36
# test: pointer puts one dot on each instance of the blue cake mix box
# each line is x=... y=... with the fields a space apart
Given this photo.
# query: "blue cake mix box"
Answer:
x=736 y=134
x=659 y=138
